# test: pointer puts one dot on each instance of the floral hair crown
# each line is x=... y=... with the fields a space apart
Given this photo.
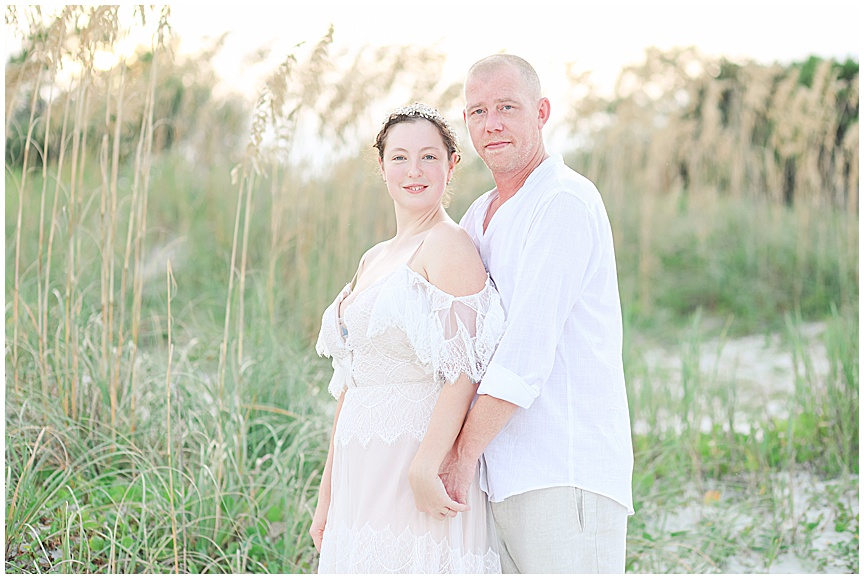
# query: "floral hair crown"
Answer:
x=419 y=110
x=426 y=112
x=422 y=111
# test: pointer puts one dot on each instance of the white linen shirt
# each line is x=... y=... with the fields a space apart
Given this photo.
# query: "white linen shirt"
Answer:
x=549 y=251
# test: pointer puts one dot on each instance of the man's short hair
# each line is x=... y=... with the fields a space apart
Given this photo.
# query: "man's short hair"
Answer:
x=496 y=61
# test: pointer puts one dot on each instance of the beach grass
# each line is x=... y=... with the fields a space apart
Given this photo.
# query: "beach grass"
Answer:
x=165 y=409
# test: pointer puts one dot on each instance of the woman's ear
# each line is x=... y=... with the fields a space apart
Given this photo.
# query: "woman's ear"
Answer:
x=454 y=158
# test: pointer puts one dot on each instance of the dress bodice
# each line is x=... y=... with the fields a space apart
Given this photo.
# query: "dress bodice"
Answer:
x=405 y=338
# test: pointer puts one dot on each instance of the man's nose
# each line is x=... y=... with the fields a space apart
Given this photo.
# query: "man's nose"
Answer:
x=493 y=121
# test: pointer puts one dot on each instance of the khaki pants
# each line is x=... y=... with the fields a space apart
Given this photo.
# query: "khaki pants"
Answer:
x=561 y=530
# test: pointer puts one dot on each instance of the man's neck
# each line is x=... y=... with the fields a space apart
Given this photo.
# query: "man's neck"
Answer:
x=508 y=184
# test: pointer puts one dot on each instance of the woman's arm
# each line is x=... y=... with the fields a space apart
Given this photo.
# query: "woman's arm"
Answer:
x=450 y=262
x=319 y=519
x=450 y=409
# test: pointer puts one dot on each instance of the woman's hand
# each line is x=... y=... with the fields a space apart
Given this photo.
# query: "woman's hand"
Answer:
x=319 y=521
x=429 y=494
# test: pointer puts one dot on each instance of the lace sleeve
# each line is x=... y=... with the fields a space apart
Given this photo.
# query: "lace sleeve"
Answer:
x=329 y=345
x=339 y=381
x=464 y=332
x=454 y=335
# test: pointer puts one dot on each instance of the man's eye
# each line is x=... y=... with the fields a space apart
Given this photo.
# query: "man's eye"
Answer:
x=507 y=107
x=477 y=112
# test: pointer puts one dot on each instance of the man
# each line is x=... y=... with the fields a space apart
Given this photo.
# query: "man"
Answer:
x=551 y=419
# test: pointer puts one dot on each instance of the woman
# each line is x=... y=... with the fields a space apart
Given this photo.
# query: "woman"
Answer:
x=410 y=337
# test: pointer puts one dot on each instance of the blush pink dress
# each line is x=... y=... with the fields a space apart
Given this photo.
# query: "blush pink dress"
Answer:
x=397 y=343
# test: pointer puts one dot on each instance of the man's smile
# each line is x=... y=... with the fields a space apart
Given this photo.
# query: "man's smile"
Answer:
x=495 y=145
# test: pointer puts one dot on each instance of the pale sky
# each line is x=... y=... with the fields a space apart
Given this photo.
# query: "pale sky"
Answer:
x=598 y=36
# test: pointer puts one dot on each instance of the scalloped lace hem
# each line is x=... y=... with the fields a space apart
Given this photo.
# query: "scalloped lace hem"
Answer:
x=382 y=551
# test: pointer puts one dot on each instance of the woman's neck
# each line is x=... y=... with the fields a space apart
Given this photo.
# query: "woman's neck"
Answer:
x=410 y=224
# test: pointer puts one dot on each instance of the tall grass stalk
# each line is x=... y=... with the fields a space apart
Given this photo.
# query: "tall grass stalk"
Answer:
x=223 y=357
x=70 y=343
x=16 y=296
x=55 y=226
x=42 y=326
x=141 y=191
x=244 y=252
x=168 y=431
x=109 y=212
x=27 y=470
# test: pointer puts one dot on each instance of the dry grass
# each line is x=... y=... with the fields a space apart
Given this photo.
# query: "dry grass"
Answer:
x=91 y=327
x=163 y=409
x=681 y=123
x=692 y=128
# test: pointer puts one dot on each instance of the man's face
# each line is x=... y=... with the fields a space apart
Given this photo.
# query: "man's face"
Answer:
x=502 y=119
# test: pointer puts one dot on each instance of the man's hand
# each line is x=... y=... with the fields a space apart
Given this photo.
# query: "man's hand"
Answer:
x=457 y=476
x=429 y=494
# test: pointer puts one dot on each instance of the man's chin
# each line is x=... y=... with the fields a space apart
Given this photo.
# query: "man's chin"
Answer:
x=497 y=164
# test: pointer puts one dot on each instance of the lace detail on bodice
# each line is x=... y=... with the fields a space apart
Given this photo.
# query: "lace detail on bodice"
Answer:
x=405 y=338
x=373 y=551
x=386 y=413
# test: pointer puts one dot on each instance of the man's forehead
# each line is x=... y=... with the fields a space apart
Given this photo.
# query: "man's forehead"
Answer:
x=493 y=92
x=495 y=70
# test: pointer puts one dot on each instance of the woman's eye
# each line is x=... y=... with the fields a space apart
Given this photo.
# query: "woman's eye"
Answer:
x=430 y=157
x=399 y=157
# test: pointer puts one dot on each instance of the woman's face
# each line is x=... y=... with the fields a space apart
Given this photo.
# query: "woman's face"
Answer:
x=415 y=164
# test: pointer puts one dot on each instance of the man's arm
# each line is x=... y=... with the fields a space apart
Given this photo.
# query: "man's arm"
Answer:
x=486 y=419
x=553 y=266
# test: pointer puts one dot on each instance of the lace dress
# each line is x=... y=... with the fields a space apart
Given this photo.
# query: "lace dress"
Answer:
x=402 y=338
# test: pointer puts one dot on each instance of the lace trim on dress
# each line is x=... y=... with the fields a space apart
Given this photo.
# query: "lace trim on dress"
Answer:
x=450 y=335
x=454 y=335
x=382 y=551
x=387 y=413
x=330 y=344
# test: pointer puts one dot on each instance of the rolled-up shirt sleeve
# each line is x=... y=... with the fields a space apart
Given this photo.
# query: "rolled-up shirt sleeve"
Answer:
x=554 y=265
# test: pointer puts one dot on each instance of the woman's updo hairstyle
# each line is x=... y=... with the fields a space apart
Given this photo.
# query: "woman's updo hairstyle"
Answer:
x=413 y=112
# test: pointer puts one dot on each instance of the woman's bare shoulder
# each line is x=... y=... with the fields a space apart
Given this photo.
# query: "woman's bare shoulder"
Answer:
x=451 y=261
x=449 y=236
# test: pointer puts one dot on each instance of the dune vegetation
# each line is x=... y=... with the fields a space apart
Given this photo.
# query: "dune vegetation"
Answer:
x=169 y=253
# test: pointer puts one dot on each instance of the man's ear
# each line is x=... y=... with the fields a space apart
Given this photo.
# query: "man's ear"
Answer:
x=544 y=110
